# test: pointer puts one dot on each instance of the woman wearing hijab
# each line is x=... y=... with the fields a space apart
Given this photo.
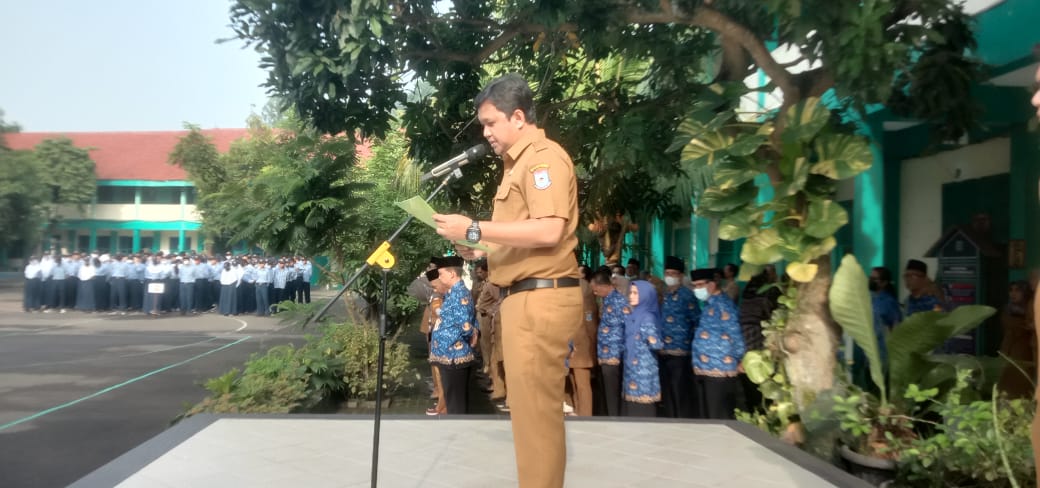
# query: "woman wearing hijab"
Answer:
x=642 y=382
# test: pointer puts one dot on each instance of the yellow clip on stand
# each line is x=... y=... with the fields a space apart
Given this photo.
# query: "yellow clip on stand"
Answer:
x=382 y=257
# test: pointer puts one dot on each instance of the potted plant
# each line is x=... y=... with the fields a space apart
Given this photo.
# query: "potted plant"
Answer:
x=907 y=381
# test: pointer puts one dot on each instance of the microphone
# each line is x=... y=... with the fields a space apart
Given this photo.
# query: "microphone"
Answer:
x=472 y=154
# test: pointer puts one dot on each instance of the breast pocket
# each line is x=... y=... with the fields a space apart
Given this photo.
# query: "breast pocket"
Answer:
x=509 y=203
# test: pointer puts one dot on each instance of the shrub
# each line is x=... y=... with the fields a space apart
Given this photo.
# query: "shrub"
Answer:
x=343 y=359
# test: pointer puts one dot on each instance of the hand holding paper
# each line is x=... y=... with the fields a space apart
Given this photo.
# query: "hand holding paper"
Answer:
x=418 y=208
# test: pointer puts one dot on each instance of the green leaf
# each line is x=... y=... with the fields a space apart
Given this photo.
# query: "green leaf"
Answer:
x=733 y=172
x=739 y=224
x=921 y=333
x=842 y=156
x=762 y=248
x=705 y=148
x=851 y=307
x=818 y=248
x=802 y=272
x=748 y=271
x=747 y=145
x=825 y=217
x=795 y=177
x=716 y=202
x=758 y=366
x=805 y=120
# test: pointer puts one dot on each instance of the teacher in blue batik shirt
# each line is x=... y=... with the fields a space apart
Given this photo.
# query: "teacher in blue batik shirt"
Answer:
x=718 y=347
x=642 y=383
x=610 y=336
x=454 y=335
x=679 y=315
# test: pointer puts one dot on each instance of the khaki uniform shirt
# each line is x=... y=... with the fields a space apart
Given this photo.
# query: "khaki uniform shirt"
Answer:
x=538 y=181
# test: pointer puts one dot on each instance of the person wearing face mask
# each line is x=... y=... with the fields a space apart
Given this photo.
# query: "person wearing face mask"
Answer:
x=454 y=336
x=610 y=336
x=679 y=315
x=718 y=347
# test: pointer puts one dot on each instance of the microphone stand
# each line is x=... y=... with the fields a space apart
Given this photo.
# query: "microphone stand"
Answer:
x=385 y=260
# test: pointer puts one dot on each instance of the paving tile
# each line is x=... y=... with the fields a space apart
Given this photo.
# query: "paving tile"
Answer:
x=330 y=451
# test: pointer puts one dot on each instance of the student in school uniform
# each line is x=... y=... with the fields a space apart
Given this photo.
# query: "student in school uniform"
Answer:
x=33 y=285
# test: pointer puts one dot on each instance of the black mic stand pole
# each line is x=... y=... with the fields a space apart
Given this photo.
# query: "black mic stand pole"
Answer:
x=386 y=261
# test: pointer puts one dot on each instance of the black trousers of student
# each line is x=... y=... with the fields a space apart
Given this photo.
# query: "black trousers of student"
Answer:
x=54 y=293
x=305 y=291
x=101 y=293
x=633 y=409
x=118 y=295
x=171 y=295
x=32 y=295
x=135 y=293
x=611 y=376
x=718 y=396
x=298 y=290
x=455 y=383
x=246 y=298
x=71 y=287
x=214 y=293
x=201 y=295
x=263 y=299
x=290 y=291
x=187 y=297
x=277 y=295
x=678 y=391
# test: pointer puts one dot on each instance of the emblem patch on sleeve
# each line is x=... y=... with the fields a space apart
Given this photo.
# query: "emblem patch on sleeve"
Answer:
x=541 y=176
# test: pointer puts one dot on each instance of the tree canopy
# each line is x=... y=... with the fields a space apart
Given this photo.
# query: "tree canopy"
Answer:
x=613 y=78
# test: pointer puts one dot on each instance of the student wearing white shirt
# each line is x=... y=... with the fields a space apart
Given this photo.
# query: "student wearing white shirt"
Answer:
x=229 y=279
x=33 y=285
x=55 y=288
x=85 y=293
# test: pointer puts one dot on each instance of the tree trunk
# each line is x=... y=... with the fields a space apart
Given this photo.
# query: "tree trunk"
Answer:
x=811 y=338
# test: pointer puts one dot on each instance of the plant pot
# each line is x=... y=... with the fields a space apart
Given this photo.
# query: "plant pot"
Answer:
x=875 y=471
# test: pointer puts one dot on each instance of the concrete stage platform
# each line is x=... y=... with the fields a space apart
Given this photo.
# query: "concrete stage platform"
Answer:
x=317 y=451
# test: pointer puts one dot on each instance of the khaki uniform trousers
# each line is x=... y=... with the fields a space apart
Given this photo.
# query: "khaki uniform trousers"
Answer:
x=497 y=371
x=536 y=328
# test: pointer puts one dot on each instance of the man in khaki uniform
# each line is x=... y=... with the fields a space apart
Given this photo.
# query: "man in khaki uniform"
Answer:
x=1036 y=319
x=532 y=239
x=583 y=358
x=491 y=324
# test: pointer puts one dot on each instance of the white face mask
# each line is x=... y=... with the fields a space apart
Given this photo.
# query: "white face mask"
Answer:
x=671 y=281
x=701 y=294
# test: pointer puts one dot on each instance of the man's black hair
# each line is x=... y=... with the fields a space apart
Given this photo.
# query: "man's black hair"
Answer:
x=508 y=93
x=601 y=276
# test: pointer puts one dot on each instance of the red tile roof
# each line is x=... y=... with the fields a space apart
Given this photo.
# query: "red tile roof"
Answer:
x=140 y=155
x=129 y=155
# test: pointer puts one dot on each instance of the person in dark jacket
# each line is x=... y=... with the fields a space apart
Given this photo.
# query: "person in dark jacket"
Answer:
x=756 y=306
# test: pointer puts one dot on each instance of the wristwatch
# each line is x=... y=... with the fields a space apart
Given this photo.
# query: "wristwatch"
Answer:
x=473 y=232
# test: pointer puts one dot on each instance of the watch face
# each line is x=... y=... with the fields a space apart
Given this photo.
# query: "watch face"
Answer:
x=472 y=235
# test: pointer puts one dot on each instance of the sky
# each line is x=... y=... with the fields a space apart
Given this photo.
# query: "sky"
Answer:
x=124 y=65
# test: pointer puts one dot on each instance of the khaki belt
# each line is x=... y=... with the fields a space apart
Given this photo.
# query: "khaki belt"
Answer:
x=536 y=283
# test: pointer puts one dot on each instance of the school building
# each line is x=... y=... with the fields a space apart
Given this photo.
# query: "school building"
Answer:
x=968 y=208
x=142 y=203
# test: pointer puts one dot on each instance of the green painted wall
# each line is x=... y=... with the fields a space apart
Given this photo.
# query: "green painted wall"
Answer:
x=144 y=183
x=95 y=225
x=1024 y=205
x=1008 y=31
x=868 y=219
